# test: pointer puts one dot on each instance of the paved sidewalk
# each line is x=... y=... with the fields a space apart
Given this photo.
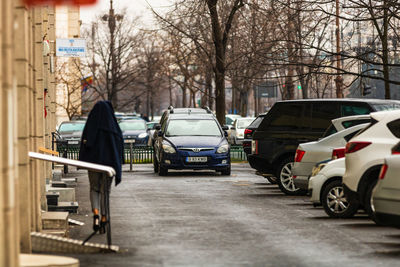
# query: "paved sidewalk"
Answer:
x=205 y=219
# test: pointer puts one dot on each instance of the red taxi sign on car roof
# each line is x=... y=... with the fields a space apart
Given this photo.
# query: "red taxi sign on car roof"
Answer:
x=60 y=2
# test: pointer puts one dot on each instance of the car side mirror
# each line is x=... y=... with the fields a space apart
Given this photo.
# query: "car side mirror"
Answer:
x=160 y=133
x=157 y=127
x=226 y=133
x=225 y=128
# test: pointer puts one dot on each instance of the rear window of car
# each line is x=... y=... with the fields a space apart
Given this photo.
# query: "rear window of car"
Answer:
x=394 y=127
x=283 y=117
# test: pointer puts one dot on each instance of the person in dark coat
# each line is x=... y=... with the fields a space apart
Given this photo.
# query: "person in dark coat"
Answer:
x=102 y=143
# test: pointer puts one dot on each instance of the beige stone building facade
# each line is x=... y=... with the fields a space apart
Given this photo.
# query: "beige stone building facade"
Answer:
x=68 y=88
x=27 y=118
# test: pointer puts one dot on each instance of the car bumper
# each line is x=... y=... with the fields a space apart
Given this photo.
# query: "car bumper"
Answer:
x=260 y=164
x=178 y=162
x=301 y=182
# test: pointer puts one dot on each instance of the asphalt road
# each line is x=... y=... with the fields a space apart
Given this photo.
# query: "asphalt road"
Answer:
x=205 y=219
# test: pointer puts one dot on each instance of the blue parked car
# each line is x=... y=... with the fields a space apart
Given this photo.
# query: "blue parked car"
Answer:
x=191 y=141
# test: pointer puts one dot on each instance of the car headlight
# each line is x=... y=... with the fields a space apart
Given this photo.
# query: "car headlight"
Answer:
x=142 y=135
x=317 y=169
x=223 y=149
x=168 y=149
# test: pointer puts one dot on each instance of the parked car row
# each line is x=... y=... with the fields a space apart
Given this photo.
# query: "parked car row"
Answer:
x=350 y=164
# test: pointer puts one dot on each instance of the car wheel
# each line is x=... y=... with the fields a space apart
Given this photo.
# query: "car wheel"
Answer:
x=285 y=178
x=335 y=203
x=271 y=179
x=155 y=163
x=227 y=171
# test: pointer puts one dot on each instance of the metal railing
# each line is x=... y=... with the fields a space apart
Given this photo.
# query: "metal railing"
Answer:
x=134 y=154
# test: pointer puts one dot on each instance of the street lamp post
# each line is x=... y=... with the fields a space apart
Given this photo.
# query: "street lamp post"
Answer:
x=112 y=18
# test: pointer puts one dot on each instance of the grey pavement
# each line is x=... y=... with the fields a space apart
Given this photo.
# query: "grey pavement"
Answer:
x=205 y=219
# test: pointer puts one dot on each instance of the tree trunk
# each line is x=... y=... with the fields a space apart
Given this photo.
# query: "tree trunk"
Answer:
x=184 y=89
x=209 y=88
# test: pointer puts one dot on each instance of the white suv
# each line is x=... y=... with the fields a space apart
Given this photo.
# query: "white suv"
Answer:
x=365 y=155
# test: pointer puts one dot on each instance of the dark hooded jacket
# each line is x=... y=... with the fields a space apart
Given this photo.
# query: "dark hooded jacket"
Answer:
x=102 y=140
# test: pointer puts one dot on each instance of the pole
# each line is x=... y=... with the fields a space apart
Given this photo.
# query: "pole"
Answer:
x=130 y=156
x=111 y=26
x=339 y=79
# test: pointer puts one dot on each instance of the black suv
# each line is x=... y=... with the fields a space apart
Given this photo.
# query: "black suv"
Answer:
x=290 y=123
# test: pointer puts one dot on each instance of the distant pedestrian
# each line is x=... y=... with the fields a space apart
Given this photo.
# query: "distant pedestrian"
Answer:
x=102 y=143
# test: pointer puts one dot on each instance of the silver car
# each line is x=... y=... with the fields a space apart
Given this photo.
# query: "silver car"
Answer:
x=308 y=154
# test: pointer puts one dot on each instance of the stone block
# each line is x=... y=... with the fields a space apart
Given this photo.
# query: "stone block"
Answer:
x=55 y=220
x=66 y=194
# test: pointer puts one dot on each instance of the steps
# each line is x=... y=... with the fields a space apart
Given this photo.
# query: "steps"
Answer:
x=53 y=244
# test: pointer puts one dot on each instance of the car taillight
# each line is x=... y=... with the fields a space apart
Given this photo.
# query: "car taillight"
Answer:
x=355 y=146
x=338 y=153
x=383 y=171
x=299 y=155
x=254 y=147
x=248 y=131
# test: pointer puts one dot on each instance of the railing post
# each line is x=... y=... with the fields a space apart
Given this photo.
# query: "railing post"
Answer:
x=65 y=155
x=130 y=156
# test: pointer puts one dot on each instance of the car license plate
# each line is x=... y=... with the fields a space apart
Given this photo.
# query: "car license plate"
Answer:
x=73 y=142
x=196 y=159
x=129 y=141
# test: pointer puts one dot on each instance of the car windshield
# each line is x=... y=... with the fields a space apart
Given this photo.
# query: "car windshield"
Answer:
x=229 y=120
x=72 y=127
x=132 y=125
x=389 y=106
x=193 y=128
x=243 y=123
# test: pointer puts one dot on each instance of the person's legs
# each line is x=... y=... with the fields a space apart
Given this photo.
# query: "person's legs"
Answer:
x=95 y=190
x=107 y=186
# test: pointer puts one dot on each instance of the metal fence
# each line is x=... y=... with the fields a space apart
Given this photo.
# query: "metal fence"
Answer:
x=139 y=154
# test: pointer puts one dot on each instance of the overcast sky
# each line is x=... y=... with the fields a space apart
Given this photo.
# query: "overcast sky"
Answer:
x=134 y=7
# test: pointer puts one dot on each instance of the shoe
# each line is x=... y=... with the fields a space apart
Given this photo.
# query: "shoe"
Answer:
x=102 y=229
x=96 y=223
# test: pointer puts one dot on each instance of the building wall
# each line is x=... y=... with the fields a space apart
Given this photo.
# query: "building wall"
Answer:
x=25 y=74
